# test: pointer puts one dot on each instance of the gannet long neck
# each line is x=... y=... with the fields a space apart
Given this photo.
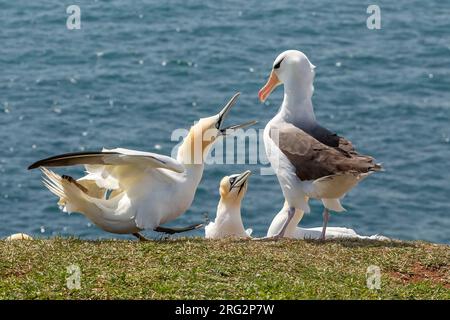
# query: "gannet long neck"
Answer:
x=229 y=212
x=297 y=107
x=229 y=208
x=228 y=221
x=193 y=172
x=191 y=158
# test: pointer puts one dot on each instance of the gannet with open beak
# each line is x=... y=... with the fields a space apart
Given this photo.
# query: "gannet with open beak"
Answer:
x=294 y=232
x=228 y=222
x=310 y=161
x=126 y=191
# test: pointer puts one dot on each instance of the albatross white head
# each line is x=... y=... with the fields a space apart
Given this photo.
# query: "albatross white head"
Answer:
x=293 y=69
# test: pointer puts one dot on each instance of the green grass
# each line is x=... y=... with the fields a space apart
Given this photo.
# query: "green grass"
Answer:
x=226 y=269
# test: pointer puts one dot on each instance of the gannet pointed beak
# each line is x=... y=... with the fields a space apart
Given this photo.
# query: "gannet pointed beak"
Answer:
x=223 y=114
x=240 y=180
x=231 y=129
x=271 y=84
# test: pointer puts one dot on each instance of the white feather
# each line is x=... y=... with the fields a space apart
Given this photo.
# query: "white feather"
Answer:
x=333 y=204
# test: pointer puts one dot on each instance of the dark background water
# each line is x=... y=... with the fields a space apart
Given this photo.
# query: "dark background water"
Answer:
x=137 y=70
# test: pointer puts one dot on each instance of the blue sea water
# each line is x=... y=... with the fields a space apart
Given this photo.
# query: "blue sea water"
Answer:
x=137 y=70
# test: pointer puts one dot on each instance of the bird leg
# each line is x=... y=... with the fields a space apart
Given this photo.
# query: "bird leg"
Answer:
x=178 y=230
x=326 y=217
x=140 y=237
x=72 y=180
x=279 y=235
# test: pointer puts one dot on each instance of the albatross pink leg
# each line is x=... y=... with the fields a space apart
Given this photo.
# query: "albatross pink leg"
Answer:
x=291 y=212
x=279 y=235
x=326 y=216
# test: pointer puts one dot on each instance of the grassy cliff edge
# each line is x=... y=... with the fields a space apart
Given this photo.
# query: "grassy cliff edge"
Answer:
x=193 y=268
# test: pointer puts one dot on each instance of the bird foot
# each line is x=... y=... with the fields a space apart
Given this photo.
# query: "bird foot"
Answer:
x=267 y=239
x=140 y=237
x=72 y=180
x=178 y=230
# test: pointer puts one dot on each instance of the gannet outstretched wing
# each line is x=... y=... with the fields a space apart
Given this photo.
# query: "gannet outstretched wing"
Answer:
x=114 y=157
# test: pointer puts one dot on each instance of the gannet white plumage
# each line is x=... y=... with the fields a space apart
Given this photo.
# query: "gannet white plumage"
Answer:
x=228 y=221
x=294 y=232
x=126 y=191
x=309 y=160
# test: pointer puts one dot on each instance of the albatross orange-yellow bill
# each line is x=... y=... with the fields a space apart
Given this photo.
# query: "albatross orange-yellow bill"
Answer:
x=271 y=84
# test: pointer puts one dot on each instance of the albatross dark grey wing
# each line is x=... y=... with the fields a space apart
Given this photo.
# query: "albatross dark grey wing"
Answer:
x=314 y=159
x=331 y=139
x=113 y=157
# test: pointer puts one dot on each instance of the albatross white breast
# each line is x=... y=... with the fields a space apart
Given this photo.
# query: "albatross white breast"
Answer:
x=310 y=161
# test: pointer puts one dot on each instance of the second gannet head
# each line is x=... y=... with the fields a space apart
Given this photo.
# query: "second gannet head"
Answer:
x=228 y=221
x=233 y=188
x=293 y=69
x=205 y=132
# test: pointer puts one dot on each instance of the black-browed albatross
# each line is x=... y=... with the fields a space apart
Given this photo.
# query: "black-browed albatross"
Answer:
x=310 y=161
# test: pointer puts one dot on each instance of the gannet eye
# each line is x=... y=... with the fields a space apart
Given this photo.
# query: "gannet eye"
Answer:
x=232 y=180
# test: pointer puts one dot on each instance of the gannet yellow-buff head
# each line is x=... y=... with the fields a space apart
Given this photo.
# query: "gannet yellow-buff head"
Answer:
x=206 y=131
x=233 y=188
x=291 y=68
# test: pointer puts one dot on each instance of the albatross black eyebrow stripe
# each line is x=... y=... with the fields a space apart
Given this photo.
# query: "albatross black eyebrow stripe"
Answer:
x=278 y=64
